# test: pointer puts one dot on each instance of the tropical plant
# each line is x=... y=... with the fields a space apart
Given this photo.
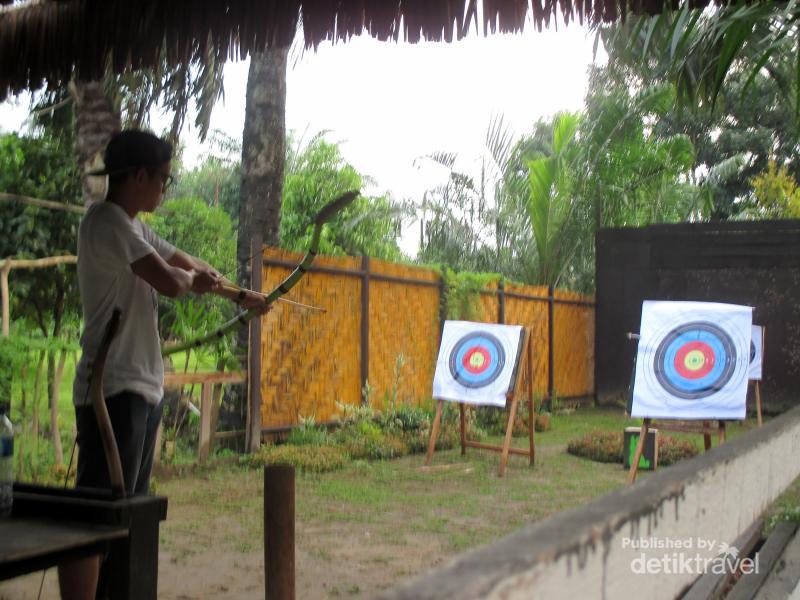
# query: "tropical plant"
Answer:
x=216 y=179
x=316 y=173
x=734 y=67
x=776 y=192
x=551 y=201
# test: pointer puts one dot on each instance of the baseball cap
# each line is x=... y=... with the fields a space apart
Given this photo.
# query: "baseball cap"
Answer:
x=133 y=149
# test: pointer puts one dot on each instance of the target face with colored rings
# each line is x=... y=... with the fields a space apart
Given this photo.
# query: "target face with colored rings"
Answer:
x=695 y=360
x=477 y=359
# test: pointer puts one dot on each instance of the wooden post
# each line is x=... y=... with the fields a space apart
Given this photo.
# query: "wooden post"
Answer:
x=758 y=403
x=706 y=436
x=4 y=271
x=364 y=325
x=279 y=532
x=205 y=422
x=501 y=301
x=531 y=404
x=721 y=432
x=550 y=337
x=437 y=420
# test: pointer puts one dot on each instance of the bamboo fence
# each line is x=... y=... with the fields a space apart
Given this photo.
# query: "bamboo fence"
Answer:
x=381 y=329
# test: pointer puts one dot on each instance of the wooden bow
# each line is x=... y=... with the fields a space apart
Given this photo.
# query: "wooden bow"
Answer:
x=101 y=411
x=323 y=216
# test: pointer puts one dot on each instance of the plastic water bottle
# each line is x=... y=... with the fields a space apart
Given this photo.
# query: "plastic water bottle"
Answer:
x=6 y=463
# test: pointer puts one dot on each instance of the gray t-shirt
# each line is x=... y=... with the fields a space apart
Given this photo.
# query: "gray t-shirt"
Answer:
x=108 y=242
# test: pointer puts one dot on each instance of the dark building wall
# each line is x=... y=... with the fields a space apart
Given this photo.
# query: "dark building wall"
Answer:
x=752 y=263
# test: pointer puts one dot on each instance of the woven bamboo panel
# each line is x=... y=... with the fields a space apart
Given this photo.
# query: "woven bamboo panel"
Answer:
x=403 y=326
x=489 y=306
x=310 y=360
x=532 y=314
x=573 y=346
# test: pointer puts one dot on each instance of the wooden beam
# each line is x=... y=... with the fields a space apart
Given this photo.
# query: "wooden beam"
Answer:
x=36 y=263
x=173 y=380
x=73 y=208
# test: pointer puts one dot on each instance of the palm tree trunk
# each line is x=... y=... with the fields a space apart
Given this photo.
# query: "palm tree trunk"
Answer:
x=263 y=158
x=97 y=120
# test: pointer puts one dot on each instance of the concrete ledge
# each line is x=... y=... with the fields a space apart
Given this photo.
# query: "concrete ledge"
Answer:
x=689 y=512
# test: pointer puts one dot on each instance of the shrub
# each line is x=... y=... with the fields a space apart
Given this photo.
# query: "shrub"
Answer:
x=607 y=446
x=404 y=418
x=308 y=434
x=671 y=450
x=601 y=446
x=366 y=440
x=311 y=459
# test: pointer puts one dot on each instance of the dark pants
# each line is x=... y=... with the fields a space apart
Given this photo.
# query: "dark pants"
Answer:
x=135 y=424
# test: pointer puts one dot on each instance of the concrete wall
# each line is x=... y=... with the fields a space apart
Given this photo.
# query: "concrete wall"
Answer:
x=589 y=552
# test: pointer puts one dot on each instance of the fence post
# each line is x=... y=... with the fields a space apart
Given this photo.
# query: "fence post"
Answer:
x=550 y=338
x=279 y=532
x=442 y=305
x=364 y=325
x=501 y=301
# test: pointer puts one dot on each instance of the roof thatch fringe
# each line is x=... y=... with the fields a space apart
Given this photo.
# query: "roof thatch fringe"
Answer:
x=54 y=41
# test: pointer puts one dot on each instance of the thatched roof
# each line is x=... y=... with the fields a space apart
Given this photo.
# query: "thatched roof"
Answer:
x=55 y=40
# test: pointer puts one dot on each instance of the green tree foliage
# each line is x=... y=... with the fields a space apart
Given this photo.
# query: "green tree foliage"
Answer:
x=551 y=200
x=206 y=232
x=735 y=71
x=40 y=166
x=216 y=179
x=776 y=193
x=315 y=174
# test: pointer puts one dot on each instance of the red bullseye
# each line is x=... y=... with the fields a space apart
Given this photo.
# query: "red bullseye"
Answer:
x=694 y=360
x=476 y=360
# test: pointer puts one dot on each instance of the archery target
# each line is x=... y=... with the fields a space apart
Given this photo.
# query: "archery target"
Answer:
x=476 y=362
x=477 y=359
x=756 y=352
x=692 y=361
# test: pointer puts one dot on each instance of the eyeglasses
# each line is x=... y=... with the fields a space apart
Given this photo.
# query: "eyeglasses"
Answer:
x=166 y=179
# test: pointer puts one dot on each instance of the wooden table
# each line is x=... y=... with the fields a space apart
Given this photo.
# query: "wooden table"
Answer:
x=49 y=525
x=32 y=544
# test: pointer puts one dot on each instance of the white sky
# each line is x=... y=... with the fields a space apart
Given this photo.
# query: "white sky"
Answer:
x=389 y=103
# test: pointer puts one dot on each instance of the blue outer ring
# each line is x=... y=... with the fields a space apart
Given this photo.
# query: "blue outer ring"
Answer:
x=695 y=389
x=497 y=356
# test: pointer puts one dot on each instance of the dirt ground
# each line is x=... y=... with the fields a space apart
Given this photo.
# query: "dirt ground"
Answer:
x=358 y=531
x=211 y=571
x=208 y=551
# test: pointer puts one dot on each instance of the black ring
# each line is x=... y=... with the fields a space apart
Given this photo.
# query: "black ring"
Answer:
x=723 y=378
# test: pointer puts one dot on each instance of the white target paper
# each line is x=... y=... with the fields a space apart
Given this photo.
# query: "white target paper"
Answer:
x=476 y=362
x=756 y=352
x=693 y=360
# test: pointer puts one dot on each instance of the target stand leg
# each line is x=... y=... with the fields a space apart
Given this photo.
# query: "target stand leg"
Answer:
x=721 y=432
x=706 y=436
x=463 y=417
x=437 y=420
x=758 y=402
x=512 y=413
x=639 y=449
